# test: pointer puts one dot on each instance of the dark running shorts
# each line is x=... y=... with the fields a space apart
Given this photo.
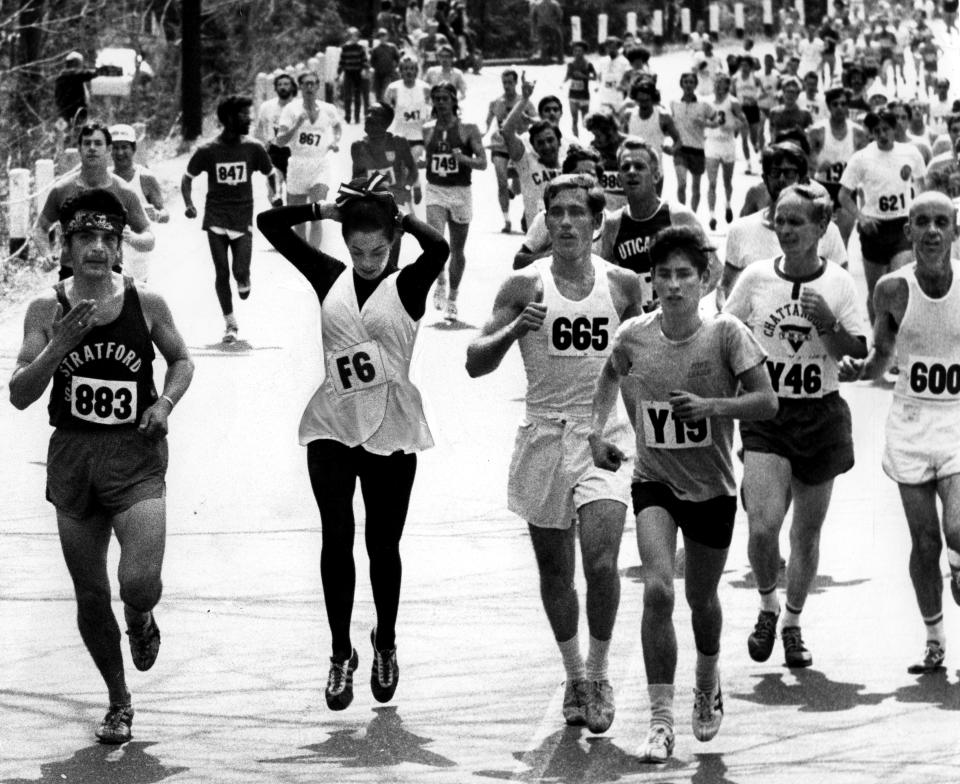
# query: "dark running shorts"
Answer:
x=279 y=156
x=93 y=471
x=833 y=188
x=709 y=522
x=814 y=435
x=881 y=245
x=692 y=158
x=950 y=6
x=752 y=112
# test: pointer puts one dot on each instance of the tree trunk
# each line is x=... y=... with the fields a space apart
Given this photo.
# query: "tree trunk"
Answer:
x=191 y=95
x=25 y=108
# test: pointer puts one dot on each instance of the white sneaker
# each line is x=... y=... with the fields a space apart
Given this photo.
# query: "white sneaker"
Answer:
x=707 y=712
x=450 y=315
x=658 y=747
x=230 y=334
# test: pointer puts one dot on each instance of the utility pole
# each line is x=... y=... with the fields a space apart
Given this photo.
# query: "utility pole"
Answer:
x=191 y=94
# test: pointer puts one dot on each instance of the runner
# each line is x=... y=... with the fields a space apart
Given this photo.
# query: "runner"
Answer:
x=789 y=116
x=352 y=67
x=366 y=419
x=947 y=141
x=94 y=337
x=410 y=99
x=537 y=164
x=499 y=152
x=611 y=69
x=833 y=142
x=229 y=162
x=720 y=146
x=810 y=99
x=651 y=122
x=691 y=117
x=749 y=90
x=268 y=123
x=888 y=174
x=580 y=72
x=563 y=311
x=627 y=232
x=803 y=311
x=95 y=142
x=454 y=149
x=445 y=72
x=770 y=79
x=380 y=152
x=311 y=128
x=706 y=65
x=753 y=238
x=680 y=373
x=606 y=141
x=904 y=114
x=918 y=318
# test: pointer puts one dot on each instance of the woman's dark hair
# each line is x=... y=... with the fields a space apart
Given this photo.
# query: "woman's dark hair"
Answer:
x=681 y=239
x=374 y=212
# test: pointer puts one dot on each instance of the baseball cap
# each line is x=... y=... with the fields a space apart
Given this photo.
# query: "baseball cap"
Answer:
x=73 y=56
x=123 y=133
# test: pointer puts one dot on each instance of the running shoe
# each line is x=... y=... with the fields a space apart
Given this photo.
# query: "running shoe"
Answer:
x=728 y=215
x=145 y=644
x=385 y=672
x=450 y=315
x=955 y=585
x=760 y=642
x=748 y=171
x=575 y=696
x=244 y=290
x=506 y=228
x=932 y=661
x=794 y=650
x=230 y=334
x=713 y=224
x=115 y=727
x=600 y=708
x=440 y=296
x=707 y=712
x=658 y=746
x=339 y=691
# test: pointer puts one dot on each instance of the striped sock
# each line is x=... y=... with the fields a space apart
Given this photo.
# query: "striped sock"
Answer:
x=791 y=617
x=935 y=631
x=769 y=601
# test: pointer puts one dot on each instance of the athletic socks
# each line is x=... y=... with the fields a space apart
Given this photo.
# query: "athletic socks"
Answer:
x=572 y=658
x=769 y=601
x=661 y=704
x=597 y=659
x=230 y=320
x=791 y=617
x=935 y=631
x=707 y=671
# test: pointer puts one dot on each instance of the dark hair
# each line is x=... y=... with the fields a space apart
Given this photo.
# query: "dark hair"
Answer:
x=548 y=99
x=640 y=53
x=647 y=87
x=369 y=213
x=90 y=128
x=383 y=109
x=873 y=119
x=575 y=154
x=231 y=106
x=94 y=200
x=596 y=200
x=543 y=125
x=293 y=81
x=597 y=120
x=796 y=136
x=950 y=119
x=893 y=105
x=688 y=240
x=448 y=88
x=784 y=152
x=689 y=75
x=511 y=72
x=835 y=92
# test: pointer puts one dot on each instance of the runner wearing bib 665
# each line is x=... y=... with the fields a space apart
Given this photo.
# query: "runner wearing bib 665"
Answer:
x=889 y=174
x=679 y=374
x=918 y=318
x=803 y=311
x=94 y=337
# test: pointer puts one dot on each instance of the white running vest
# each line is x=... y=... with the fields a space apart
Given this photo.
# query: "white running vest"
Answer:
x=649 y=130
x=835 y=154
x=135 y=262
x=411 y=111
x=564 y=357
x=928 y=342
x=367 y=398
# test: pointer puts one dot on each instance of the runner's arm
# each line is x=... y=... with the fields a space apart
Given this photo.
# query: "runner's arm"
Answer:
x=509 y=128
x=605 y=453
x=170 y=342
x=757 y=400
x=478 y=160
x=889 y=296
x=151 y=189
x=137 y=232
x=317 y=267
x=669 y=127
x=516 y=311
x=414 y=280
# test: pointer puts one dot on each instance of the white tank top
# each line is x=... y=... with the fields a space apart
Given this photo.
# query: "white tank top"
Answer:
x=649 y=130
x=367 y=398
x=726 y=131
x=835 y=154
x=564 y=357
x=929 y=341
x=411 y=111
x=748 y=88
x=312 y=140
x=135 y=262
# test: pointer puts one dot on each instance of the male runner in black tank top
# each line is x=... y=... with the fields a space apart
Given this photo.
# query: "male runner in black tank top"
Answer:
x=94 y=336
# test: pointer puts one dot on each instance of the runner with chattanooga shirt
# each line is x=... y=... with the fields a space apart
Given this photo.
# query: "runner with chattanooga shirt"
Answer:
x=563 y=311
x=888 y=174
x=229 y=162
x=627 y=232
x=311 y=129
x=410 y=99
x=803 y=311
x=679 y=373
x=918 y=319
x=366 y=419
x=94 y=337
x=454 y=149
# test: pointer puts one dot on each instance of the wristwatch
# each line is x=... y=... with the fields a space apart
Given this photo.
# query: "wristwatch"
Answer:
x=835 y=327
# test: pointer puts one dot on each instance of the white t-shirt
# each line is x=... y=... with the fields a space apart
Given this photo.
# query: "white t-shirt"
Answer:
x=887 y=179
x=534 y=177
x=610 y=75
x=750 y=239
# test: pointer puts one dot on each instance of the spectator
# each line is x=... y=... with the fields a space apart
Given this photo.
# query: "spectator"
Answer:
x=389 y=21
x=384 y=59
x=353 y=66
x=548 y=24
x=70 y=90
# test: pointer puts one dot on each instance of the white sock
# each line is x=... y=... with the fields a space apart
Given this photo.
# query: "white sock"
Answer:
x=597 y=659
x=953 y=558
x=769 y=601
x=791 y=617
x=230 y=320
x=707 y=671
x=506 y=216
x=661 y=703
x=935 y=631
x=572 y=658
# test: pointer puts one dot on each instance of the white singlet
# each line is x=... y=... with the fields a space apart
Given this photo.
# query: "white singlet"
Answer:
x=411 y=111
x=886 y=179
x=649 y=130
x=309 y=147
x=136 y=262
x=835 y=154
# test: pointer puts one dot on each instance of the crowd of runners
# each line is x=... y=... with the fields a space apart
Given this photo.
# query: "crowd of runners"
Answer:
x=642 y=341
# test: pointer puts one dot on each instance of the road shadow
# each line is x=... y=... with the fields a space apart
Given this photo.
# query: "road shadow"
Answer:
x=450 y=326
x=127 y=764
x=221 y=349
x=813 y=692
x=561 y=757
x=934 y=689
x=711 y=769
x=383 y=743
x=821 y=583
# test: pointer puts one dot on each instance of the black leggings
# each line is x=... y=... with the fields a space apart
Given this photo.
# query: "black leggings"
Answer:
x=385 y=482
x=242 y=248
